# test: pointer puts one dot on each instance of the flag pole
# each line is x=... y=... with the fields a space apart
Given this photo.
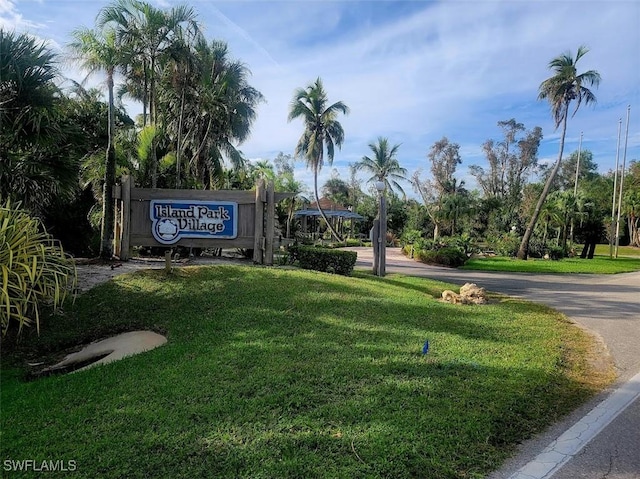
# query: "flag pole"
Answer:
x=615 y=190
x=624 y=163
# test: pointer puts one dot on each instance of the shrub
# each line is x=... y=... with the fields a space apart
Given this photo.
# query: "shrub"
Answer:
x=324 y=259
x=392 y=239
x=35 y=270
x=555 y=252
x=505 y=245
x=353 y=242
x=448 y=256
x=410 y=236
x=537 y=248
x=465 y=243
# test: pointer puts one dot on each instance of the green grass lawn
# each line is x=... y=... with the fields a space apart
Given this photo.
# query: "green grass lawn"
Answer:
x=597 y=265
x=603 y=250
x=273 y=373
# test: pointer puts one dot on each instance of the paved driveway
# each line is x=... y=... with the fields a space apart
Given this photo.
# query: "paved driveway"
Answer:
x=606 y=305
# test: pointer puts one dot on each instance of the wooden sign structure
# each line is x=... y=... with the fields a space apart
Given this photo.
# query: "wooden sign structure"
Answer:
x=197 y=218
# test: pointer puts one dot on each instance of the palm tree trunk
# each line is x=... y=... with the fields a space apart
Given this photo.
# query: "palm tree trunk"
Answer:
x=523 y=251
x=324 y=217
x=108 y=214
x=152 y=115
x=179 y=141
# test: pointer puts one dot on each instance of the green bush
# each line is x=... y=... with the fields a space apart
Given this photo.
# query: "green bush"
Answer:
x=448 y=256
x=353 y=242
x=410 y=236
x=324 y=259
x=555 y=252
x=34 y=269
x=537 y=248
x=505 y=245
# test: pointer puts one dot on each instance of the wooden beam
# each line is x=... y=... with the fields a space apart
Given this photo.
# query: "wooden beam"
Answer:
x=125 y=240
x=240 y=197
x=270 y=226
x=258 y=232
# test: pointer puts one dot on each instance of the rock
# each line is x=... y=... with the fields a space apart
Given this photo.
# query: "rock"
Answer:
x=473 y=293
x=451 y=297
x=470 y=293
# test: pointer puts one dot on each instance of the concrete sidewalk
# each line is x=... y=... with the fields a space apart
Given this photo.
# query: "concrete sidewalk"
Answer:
x=602 y=438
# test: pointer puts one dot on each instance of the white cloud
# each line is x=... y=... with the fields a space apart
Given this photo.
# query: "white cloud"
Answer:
x=414 y=71
x=11 y=19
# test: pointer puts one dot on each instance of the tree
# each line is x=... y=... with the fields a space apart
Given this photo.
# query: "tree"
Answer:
x=336 y=189
x=321 y=130
x=444 y=157
x=263 y=169
x=96 y=51
x=510 y=162
x=384 y=165
x=631 y=202
x=284 y=164
x=147 y=33
x=565 y=86
x=39 y=142
x=566 y=176
x=287 y=183
x=220 y=112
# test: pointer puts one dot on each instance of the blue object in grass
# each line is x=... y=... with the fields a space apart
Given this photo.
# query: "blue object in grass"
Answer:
x=425 y=347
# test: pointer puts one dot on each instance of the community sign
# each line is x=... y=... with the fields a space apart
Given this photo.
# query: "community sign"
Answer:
x=172 y=220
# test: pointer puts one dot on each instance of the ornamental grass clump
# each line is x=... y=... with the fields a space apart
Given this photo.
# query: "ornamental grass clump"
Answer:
x=34 y=268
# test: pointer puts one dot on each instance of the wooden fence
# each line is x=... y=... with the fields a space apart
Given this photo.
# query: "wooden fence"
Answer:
x=255 y=218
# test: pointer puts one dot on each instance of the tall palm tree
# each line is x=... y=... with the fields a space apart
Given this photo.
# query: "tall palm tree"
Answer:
x=321 y=130
x=384 y=165
x=220 y=112
x=148 y=32
x=287 y=182
x=565 y=86
x=96 y=51
x=37 y=161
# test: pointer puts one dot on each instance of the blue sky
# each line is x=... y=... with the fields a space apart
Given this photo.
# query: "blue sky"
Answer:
x=411 y=71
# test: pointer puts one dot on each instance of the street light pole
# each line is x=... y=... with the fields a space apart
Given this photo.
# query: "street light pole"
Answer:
x=382 y=230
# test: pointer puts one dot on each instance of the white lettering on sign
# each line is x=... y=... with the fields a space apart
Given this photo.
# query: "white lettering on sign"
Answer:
x=173 y=220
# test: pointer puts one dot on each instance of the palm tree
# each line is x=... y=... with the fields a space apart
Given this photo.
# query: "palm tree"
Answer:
x=96 y=51
x=560 y=90
x=321 y=130
x=148 y=32
x=219 y=113
x=37 y=158
x=287 y=182
x=384 y=165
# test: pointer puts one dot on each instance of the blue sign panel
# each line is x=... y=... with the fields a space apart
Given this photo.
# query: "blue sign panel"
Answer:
x=172 y=220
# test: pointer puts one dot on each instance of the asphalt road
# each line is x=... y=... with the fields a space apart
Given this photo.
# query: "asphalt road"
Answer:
x=606 y=305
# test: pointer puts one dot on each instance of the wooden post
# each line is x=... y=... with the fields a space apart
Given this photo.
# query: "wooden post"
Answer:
x=270 y=224
x=167 y=261
x=125 y=210
x=375 y=232
x=258 y=230
x=117 y=220
x=382 y=237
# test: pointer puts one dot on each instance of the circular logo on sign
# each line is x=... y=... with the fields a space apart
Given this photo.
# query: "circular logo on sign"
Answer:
x=167 y=230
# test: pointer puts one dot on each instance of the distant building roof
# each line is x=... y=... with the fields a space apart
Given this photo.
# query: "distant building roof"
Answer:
x=330 y=209
x=327 y=204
